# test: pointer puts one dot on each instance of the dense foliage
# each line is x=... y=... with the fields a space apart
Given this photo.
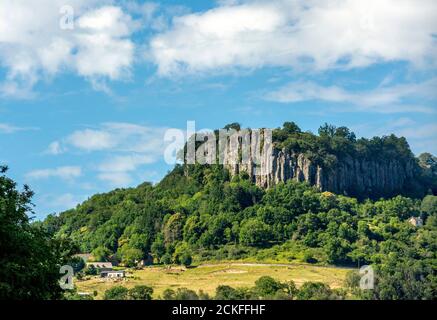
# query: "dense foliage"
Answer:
x=200 y=213
x=139 y=292
x=333 y=143
x=29 y=258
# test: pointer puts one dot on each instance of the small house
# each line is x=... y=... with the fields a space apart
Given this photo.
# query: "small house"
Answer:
x=113 y=274
x=416 y=221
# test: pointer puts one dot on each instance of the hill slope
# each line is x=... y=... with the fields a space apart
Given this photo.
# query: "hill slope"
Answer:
x=204 y=212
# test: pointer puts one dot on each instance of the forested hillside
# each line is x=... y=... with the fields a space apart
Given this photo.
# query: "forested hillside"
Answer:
x=201 y=213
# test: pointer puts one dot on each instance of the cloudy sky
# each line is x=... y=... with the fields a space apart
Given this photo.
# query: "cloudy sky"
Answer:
x=88 y=88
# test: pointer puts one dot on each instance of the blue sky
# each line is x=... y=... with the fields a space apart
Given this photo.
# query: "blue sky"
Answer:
x=84 y=109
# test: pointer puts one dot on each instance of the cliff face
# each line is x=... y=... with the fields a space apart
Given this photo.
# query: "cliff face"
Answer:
x=359 y=177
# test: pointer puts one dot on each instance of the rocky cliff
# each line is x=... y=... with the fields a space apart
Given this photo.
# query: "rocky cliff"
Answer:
x=334 y=160
x=359 y=177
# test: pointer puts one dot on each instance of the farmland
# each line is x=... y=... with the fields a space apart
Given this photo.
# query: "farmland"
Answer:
x=207 y=277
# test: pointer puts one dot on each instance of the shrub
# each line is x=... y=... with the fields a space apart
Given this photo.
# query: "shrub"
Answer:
x=314 y=291
x=140 y=293
x=166 y=259
x=116 y=293
x=267 y=286
x=186 y=294
x=180 y=294
x=309 y=258
x=186 y=259
x=168 y=294
x=226 y=293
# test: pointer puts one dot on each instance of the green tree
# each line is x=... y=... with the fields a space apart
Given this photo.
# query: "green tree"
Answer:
x=186 y=259
x=173 y=228
x=186 y=294
x=234 y=125
x=182 y=254
x=314 y=291
x=168 y=294
x=255 y=232
x=130 y=256
x=352 y=280
x=29 y=258
x=91 y=270
x=116 y=293
x=267 y=286
x=291 y=127
x=100 y=254
x=336 y=250
x=166 y=259
x=158 y=247
x=429 y=205
x=401 y=278
x=77 y=263
x=226 y=293
x=140 y=292
x=327 y=130
x=290 y=289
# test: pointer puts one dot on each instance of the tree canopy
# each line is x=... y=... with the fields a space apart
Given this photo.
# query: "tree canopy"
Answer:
x=29 y=258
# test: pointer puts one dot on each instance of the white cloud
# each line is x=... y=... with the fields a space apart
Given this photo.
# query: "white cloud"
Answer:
x=55 y=148
x=65 y=173
x=117 y=136
x=33 y=46
x=9 y=128
x=137 y=146
x=390 y=99
x=294 y=33
x=104 y=50
x=127 y=147
x=91 y=140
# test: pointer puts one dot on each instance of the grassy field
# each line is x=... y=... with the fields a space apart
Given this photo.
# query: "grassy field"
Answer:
x=208 y=277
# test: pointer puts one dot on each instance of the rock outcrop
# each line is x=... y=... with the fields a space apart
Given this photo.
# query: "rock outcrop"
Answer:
x=359 y=177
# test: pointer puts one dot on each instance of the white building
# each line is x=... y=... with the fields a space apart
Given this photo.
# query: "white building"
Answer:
x=114 y=274
x=416 y=221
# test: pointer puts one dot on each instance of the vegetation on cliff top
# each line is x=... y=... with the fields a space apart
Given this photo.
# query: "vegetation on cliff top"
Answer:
x=333 y=143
